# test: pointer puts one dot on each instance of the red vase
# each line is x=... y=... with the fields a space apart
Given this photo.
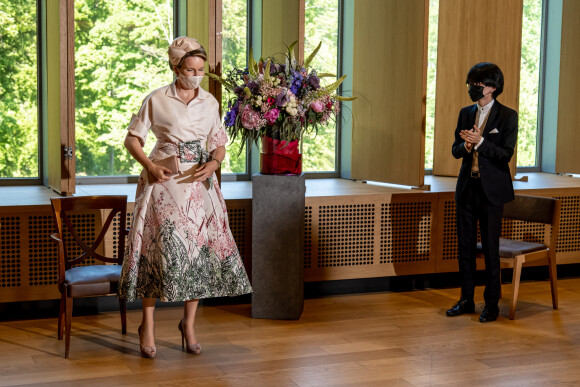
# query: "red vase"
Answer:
x=280 y=157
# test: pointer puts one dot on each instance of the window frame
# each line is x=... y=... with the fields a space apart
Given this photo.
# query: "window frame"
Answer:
x=541 y=91
x=40 y=88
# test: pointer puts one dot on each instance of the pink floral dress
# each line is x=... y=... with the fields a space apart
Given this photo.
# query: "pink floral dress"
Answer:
x=180 y=246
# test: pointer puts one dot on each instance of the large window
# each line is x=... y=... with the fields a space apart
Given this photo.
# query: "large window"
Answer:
x=235 y=42
x=431 y=82
x=18 y=90
x=321 y=25
x=120 y=56
x=529 y=83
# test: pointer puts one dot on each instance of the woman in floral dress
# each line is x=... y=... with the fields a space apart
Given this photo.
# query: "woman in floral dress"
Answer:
x=180 y=246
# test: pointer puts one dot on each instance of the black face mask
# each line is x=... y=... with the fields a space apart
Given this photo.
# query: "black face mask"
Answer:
x=475 y=92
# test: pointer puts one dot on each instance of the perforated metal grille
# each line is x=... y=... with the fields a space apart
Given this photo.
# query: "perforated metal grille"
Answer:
x=386 y=249
x=405 y=232
x=569 y=235
x=522 y=231
x=87 y=229
x=346 y=235
x=42 y=252
x=307 y=237
x=115 y=231
x=449 y=231
x=10 y=251
x=510 y=229
x=237 y=218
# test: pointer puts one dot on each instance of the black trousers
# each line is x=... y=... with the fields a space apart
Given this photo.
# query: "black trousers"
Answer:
x=471 y=207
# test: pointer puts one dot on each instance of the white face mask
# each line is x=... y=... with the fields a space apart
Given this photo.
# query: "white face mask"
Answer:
x=190 y=82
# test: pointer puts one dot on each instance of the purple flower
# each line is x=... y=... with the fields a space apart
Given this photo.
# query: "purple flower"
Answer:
x=230 y=119
x=282 y=99
x=254 y=87
x=272 y=115
x=314 y=82
x=296 y=82
x=238 y=90
x=232 y=114
x=273 y=69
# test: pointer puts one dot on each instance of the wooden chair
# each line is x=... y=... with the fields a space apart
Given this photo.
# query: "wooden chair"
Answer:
x=514 y=253
x=87 y=280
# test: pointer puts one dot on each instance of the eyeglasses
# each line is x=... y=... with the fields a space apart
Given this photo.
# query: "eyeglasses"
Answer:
x=475 y=84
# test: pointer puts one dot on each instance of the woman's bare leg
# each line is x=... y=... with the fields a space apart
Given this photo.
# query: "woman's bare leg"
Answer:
x=189 y=310
x=147 y=337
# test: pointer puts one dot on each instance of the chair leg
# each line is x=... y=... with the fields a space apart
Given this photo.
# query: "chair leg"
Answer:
x=68 y=320
x=553 y=279
x=123 y=310
x=518 y=261
x=61 y=317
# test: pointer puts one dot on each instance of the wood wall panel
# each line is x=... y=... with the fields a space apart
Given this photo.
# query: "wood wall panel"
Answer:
x=471 y=32
x=568 y=141
x=198 y=27
x=282 y=24
x=60 y=103
x=389 y=80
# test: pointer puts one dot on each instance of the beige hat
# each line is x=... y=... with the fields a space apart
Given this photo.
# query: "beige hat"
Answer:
x=181 y=46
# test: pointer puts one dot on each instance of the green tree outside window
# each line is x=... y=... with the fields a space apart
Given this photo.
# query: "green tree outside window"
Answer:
x=18 y=89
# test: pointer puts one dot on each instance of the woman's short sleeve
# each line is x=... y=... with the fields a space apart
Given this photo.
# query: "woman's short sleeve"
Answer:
x=140 y=123
x=217 y=136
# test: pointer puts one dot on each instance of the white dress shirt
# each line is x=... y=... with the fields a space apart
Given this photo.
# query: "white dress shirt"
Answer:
x=483 y=112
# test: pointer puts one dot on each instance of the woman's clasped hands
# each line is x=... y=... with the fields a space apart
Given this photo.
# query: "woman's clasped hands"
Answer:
x=206 y=170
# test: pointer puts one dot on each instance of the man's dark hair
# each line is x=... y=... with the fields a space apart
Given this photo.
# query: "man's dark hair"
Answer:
x=487 y=73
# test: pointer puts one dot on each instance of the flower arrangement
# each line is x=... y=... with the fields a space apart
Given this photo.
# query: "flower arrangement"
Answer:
x=279 y=100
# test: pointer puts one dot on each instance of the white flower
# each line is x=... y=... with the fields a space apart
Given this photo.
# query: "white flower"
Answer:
x=291 y=111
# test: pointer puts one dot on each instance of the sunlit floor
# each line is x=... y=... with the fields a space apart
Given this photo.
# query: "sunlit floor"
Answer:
x=382 y=339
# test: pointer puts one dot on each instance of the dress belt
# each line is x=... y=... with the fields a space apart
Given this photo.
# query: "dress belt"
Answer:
x=190 y=152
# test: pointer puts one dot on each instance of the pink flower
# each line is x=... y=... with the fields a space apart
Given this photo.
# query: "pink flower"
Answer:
x=272 y=115
x=317 y=106
x=250 y=118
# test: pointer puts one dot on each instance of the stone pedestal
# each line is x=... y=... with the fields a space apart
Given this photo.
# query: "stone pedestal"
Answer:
x=278 y=246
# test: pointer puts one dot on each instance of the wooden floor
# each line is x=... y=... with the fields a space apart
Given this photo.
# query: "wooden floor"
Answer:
x=376 y=339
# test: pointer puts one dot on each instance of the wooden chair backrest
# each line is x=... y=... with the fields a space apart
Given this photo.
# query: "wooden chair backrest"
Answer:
x=117 y=204
x=531 y=209
x=535 y=209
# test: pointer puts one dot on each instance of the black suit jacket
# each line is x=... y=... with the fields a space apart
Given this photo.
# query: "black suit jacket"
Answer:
x=494 y=153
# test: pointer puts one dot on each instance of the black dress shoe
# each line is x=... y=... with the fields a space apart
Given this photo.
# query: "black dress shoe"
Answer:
x=462 y=306
x=489 y=313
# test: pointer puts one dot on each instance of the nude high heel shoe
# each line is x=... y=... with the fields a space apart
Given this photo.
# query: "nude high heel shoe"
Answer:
x=191 y=348
x=146 y=352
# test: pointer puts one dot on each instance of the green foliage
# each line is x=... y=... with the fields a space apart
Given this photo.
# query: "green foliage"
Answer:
x=120 y=56
x=321 y=28
x=529 y=83
x=18 y=88
x=234 y=43
x=431 y=81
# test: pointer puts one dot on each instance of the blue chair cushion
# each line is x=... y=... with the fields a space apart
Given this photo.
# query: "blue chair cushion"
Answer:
x=509 y=248
x=95 y=280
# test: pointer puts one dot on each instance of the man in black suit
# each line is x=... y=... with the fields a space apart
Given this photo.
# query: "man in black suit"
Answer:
x=485 y=139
